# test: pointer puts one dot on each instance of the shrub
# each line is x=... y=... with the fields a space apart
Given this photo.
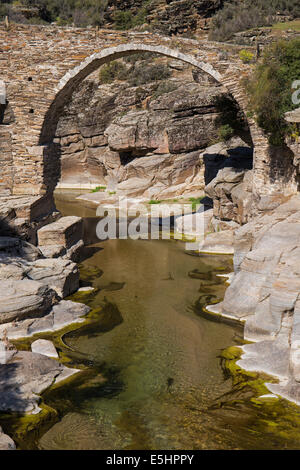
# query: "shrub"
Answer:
x=114 y=70
x=225 y=132
x=123 y=20
x=270 y=88
x=79 y=12
x=246 y=56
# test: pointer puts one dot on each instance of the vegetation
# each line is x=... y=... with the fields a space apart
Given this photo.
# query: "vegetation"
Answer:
x=124 y=19
x=289 y=25
x=153 y=201
x=114 y=70
x=78 y=12
x=238 y=15
x=138 y=74
x=142 y=73
x=270 y=88
x=231 y=120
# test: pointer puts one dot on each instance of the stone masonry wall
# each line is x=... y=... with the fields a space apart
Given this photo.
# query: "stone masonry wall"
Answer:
x=42 y=65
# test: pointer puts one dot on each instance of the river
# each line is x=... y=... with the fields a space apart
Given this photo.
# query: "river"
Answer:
x=153 y=377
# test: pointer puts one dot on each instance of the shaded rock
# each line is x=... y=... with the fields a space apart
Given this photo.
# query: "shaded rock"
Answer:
x=16 y=247
x=231 y=201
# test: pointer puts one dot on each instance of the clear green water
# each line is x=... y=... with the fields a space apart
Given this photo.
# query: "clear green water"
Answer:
x=153 y=377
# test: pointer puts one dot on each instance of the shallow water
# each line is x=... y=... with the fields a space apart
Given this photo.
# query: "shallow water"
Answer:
x=153 y=377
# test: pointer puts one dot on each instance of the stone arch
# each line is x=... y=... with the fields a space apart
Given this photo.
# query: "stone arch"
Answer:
x=74 y=77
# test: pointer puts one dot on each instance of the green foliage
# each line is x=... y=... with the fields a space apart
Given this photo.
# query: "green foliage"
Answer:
x=195 y=202
x=114 y=70
x=98 y=188
x=141 y=73
x=270 y=88
x=78 y=12
x=289 y=25
x=246 y=56
x=225 y=132
x=153 y=201
x=241 y=15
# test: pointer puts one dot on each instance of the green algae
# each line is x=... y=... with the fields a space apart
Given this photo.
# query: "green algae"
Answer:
x=272 y=416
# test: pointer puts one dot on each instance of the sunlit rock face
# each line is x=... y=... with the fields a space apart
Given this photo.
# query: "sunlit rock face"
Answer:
x=141 y=136
x=264 y=293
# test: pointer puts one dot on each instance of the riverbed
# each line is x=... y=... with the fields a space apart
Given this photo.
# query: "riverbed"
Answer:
x=152 y=375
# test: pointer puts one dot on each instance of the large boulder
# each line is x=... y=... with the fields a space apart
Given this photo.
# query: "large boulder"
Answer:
x=44 y=347
x=63 y=314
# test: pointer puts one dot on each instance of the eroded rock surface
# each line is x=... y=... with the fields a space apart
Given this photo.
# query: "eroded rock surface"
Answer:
x=6 y=443
x=142 y=137
x=265 y=294
x=24 y=299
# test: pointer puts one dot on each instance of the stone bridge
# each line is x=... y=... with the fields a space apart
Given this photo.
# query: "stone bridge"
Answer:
x=41 y=66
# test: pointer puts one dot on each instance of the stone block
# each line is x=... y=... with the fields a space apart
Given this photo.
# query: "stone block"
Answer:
x=66 y=232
